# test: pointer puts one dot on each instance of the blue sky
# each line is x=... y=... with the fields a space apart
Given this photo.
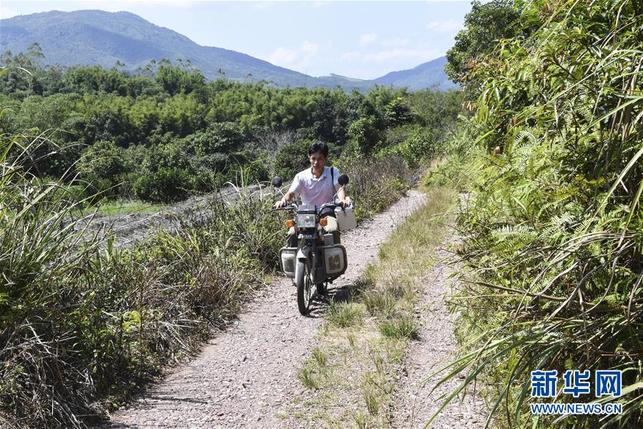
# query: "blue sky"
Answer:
x=361 y=39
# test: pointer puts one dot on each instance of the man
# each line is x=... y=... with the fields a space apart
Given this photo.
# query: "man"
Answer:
x=316 y=184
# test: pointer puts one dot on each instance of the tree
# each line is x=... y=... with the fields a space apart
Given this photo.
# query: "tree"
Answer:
x=366 y=133
x=102 y=164
x=484 y=26
x=292 y=158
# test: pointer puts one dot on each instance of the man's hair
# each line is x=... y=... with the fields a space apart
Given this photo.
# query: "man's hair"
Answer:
x=318 y=147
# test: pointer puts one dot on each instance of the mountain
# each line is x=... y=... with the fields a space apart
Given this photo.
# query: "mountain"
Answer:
x=426 y=75
x=94 y=37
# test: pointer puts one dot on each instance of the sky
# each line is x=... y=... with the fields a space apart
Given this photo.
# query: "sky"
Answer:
x=359 y=39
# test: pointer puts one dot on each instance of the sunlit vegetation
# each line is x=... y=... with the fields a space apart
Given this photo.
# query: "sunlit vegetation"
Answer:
x=85 y=324
x=167 y=133
x=552 y=225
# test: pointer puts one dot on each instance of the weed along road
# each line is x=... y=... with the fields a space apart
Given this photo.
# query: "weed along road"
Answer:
x=247 y=375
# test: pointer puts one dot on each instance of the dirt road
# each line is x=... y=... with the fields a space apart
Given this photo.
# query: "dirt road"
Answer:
x=246 y=376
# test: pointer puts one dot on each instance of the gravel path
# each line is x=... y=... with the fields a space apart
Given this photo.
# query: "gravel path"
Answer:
x=129 y=228
x=246 y=376
x=436 y=347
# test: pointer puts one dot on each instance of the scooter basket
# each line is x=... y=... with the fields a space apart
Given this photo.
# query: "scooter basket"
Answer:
x=335 y=261
x=288 y=257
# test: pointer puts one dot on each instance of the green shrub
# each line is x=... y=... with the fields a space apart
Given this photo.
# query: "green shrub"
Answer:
x=166 y=185
x=83 y=328
x=292 y=158
x=552 y=228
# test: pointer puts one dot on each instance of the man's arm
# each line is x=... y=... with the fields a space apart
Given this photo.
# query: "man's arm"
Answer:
x=288 y=196
x=284 y=200
x=341 y=196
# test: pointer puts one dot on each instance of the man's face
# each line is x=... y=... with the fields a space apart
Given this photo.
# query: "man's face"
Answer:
x=317 y=161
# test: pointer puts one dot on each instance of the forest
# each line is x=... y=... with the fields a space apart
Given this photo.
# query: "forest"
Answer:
x=166 y=133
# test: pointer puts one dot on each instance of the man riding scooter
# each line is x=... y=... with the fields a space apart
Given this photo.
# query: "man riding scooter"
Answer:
x=314 y=255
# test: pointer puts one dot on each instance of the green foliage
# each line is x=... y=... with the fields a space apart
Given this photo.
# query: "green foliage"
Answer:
x=553 y=224
x=102 y=165
x=366 y=133
x=417 y=146
x=292 y=158
x=166 y=185
x=175 y=80
x=83 y=326
x=173 y=125
x=484 y=26
x=375 y=183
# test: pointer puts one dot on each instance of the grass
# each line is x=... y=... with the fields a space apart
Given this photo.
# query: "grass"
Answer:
x=399 y=328
x=350 y=374
x=552 y=234
x=319 y=357
x=345 y=314
x=83 y=327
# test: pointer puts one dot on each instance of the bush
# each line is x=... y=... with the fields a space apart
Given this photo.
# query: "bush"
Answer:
x=102 y=165
x=166 y=185
x=375 y=184
x=553 y=224
x=292 y=158
x=83 y=329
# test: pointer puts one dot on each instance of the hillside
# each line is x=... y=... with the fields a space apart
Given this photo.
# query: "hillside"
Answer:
x=427 y=75
x=94 y=37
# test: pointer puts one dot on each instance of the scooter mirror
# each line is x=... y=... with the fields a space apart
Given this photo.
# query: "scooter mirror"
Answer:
x=343 y=179
x=276 y=182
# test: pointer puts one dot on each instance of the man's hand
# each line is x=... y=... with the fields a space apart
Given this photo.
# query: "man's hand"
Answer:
x=279 y=204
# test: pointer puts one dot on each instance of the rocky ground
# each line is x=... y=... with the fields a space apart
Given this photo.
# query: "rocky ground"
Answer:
x=129 y=228
x=415 y=403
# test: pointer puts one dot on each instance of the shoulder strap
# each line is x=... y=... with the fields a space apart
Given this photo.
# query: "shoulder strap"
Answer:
x=332 y=176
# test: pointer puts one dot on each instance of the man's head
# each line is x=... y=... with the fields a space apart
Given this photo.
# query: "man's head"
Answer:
x=317 y=154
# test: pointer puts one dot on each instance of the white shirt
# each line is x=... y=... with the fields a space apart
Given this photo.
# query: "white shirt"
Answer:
x=315 y=190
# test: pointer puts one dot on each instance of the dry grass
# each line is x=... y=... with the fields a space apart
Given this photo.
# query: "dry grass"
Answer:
x=364 y=341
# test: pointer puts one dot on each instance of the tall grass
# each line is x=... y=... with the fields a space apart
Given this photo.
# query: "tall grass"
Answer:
x=554 y=229
x=375 y=184
x=81 y=325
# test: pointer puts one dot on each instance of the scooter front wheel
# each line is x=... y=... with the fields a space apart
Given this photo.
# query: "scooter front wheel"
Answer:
x=304 y=286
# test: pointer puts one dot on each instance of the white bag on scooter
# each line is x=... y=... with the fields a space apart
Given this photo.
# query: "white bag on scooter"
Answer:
x=345 y=218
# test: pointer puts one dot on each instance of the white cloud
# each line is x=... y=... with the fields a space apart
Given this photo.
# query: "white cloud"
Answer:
x=446 y=26
x=282 y=56
x=418 y=55
x=309 y=48
x=298 y=57
x=395 y=43
x=367 y=38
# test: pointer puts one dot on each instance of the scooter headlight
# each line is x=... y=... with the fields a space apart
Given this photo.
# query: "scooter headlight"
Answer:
x=306 y=220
